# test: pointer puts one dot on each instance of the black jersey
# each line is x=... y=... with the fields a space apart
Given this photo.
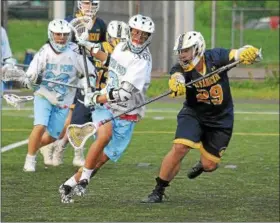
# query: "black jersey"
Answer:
x=210 y=97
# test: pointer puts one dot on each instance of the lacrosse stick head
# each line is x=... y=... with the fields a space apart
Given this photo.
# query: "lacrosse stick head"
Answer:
x=59 y=34
x=79 y=134
x=17 y=101
x=88 y=7
x=80 y=27
x=12 y=73
x=259 y=55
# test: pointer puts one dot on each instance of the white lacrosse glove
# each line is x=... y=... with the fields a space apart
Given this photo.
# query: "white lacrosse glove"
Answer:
x=90 y=98
x=83 y=83
x=26 y=83
x=6 y=67
x=90 y=47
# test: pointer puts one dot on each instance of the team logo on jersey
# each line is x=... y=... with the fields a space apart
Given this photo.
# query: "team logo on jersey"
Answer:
x=118 y=68
x=61 y=90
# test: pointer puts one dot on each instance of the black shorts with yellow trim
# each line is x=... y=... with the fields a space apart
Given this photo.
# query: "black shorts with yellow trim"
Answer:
x=81 y=114
x=211 y=141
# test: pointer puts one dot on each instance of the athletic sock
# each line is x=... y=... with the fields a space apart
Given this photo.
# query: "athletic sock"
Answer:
x=86 y=174
x=31 y=157
x=162 y=183
x=94 y=172
x=71 y=182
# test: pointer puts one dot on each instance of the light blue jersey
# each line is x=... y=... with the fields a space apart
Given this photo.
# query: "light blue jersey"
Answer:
x=65 y=67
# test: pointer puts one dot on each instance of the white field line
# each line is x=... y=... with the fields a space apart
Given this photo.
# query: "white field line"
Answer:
x=168 y=110
x=14 y=145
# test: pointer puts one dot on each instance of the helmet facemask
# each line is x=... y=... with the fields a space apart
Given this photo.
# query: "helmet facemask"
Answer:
x=112 y=40
x=89 y=8
x=60 y=41
x=138 y=40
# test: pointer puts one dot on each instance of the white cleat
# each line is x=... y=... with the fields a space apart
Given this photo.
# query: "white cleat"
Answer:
x=47 y=152
x=58 y=154
x=79 y=159
x=29 y=165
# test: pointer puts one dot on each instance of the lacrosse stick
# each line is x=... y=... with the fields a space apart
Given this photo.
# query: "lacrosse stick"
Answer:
x=14 y=74
x=18 y=65
x=80 y=27
x=17 y=101
x=79 y=134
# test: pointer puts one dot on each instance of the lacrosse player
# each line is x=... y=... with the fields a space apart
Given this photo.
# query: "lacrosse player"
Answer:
x=79 y=114
x=6 y=56
x=56 y=60
x=206 y=120
x=116 y=32
x=129 y=77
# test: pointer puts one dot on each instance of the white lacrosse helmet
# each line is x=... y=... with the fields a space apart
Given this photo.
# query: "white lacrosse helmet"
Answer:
x=92 y=8
x=116 y=31
x=59 y=26
x=142 y=23
x=187 y=40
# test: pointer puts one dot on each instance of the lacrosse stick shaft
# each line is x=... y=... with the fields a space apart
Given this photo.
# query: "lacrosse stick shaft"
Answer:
x=221 y=69
x=138 y=106
x=86 y=68
x=61 y=83
x=18 y=65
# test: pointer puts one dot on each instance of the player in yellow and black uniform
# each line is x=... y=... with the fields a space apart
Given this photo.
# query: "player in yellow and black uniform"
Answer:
x=206 y=120
x=78 y=114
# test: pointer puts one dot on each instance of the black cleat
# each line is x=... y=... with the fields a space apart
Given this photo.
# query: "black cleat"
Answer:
x=80 y=188
x=155 y=196
x=196 y=170
x=66 y=194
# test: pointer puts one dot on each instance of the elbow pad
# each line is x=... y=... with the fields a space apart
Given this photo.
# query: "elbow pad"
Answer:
x=122 y=94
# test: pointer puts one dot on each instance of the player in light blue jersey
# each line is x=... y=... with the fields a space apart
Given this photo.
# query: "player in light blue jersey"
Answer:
x=57 y=60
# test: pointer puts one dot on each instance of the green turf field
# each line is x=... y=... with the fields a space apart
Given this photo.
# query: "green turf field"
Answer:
x=246 y=192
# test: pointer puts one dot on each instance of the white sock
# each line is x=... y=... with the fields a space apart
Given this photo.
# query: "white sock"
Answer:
x=31 y=157
x=71 y=182
x=86 y=174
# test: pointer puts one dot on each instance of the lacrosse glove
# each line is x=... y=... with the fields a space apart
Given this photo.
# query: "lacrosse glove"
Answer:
x=90 y=47
x=90 y=98
x=177 y=84
x=248 y=54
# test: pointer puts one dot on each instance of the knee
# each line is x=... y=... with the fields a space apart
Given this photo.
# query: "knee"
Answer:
x=209 y=166
x=47 y=139
x=104 y=134
x=180 y=149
